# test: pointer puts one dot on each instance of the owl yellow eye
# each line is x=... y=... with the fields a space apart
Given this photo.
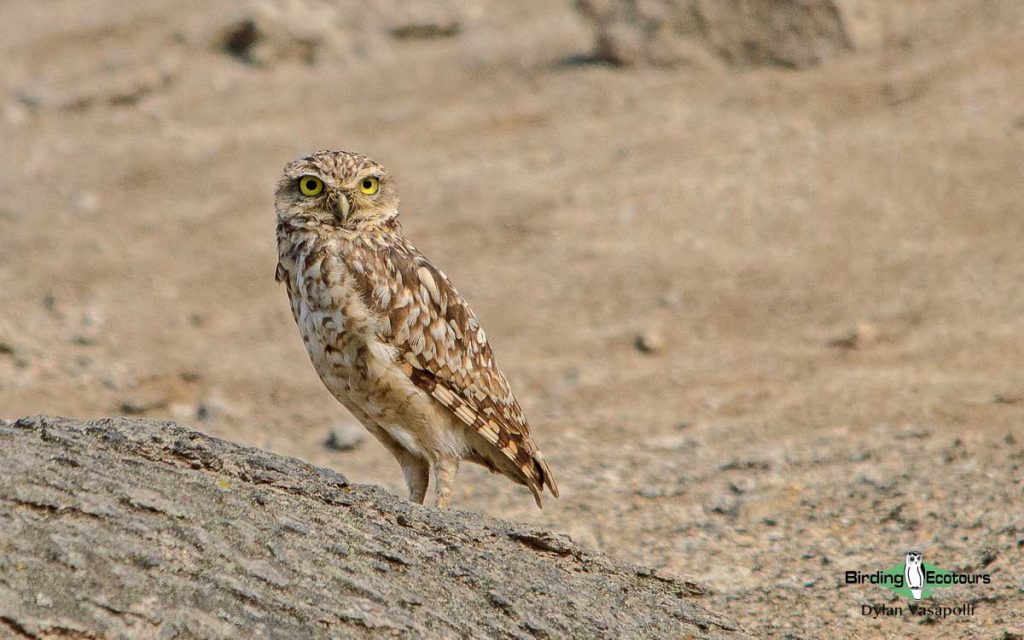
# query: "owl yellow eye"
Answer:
x=310 y=185
x=369 y=185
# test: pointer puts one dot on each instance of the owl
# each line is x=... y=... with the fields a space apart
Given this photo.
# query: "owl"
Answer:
x=389 y=335
x=914 y=573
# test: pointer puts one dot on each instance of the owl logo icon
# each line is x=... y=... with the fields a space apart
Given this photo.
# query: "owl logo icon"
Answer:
x=913 y=573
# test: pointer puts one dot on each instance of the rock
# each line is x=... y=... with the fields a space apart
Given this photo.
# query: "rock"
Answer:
x=670 y=300
x=739 y=486
x=986 y=556
x=38 y=96
x=261 y=534
x=239 y=38
x=726 y=505
x=213 y=407
x=1007 y=398
x=649 y=341
x=143 y=401
x=345 y=437
x=787 y=33
x=912 y=433
x=264 y=38
x=425 y=31
x=862 y=335
x=416 y=20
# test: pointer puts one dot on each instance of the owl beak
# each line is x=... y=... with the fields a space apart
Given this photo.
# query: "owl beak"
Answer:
x=343 y=205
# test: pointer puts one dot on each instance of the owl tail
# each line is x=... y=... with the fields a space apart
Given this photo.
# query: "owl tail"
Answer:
x=916 y=593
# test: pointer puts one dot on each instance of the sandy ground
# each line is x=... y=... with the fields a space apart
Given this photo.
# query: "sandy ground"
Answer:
x=827 y=264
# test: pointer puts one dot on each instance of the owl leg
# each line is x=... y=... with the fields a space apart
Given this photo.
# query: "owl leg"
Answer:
x=445 y=470
x=415 y=469
x=417 y=476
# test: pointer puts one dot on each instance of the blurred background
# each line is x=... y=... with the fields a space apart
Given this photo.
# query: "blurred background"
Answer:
x=753 y=267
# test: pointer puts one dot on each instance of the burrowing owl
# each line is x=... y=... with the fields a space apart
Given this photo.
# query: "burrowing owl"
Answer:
x=389 y=335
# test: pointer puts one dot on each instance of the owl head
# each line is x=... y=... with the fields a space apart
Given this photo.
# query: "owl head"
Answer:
x=913 y=558
x=337 y=189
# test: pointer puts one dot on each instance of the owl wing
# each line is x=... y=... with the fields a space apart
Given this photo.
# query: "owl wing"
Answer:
x=445 y=352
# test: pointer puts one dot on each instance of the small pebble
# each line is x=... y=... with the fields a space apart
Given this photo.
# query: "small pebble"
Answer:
x=649 y=341
x=142 y=402
x=740 y=486
x=863 y=334
x=212 y=407
x=670 y=300
x=240 y=37
x=345 y=437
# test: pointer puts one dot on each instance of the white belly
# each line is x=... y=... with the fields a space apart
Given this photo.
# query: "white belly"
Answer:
x=341 y=337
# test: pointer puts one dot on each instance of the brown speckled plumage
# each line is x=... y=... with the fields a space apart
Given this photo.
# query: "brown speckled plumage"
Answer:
x=390 y=336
